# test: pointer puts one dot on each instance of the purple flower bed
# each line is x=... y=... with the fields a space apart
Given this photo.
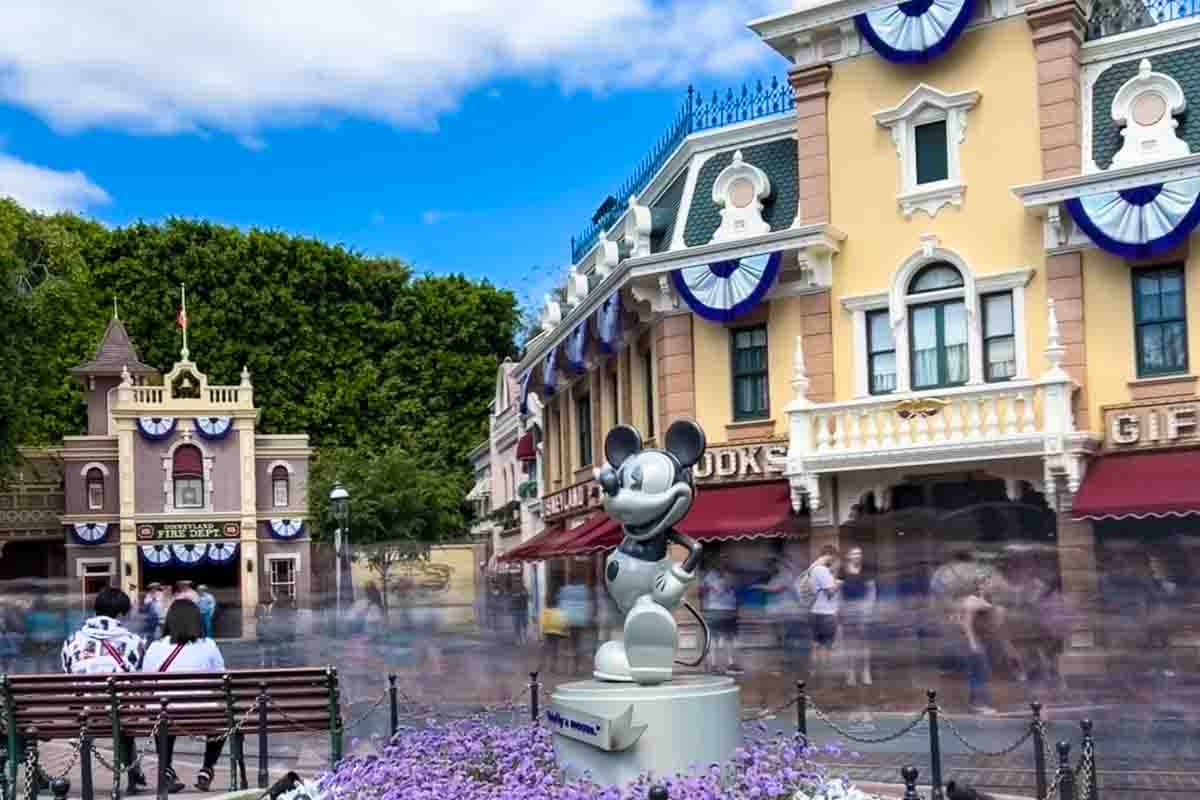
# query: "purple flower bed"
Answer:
x=474 y=760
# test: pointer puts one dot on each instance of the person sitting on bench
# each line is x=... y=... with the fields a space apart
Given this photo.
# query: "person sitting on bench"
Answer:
x=185 y=648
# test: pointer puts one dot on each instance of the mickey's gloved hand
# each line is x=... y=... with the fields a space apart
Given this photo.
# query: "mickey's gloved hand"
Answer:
x=671 y=584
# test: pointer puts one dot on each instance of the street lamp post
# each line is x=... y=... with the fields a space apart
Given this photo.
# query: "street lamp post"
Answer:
x=339 y=499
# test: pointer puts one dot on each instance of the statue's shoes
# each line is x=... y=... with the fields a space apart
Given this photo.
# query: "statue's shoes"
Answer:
x=612 y=663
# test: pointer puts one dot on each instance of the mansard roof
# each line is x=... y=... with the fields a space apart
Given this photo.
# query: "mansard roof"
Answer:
x=115 y=353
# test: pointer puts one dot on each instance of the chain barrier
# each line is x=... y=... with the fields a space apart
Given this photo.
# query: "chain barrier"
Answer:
x=1012 y=748
x=363 y=717
x=911 y=726
x=1083 y=774
x=770 y=712
x=117 y=772
x=288 y=717
x=72 y=760
x=31 y=769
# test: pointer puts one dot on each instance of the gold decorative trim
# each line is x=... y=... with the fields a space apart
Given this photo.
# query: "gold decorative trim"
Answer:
x=920 y=407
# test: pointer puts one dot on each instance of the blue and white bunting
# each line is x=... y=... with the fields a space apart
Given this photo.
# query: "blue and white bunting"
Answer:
x=90 y=532
x=214 y=427
x=1139 y=223
x=158 y=555
x=156 y=428
x=915 y=31
x=550 y=372
x=189 y=555
x=286 y=528
x=222 y=552
x=526 y=380
x=725 y=290
x=608 y=323
x=576 y=348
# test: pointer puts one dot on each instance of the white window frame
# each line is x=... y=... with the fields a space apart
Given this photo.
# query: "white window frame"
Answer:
x=923 y=105
x=287 y=489
x=87 y=485
x=898 y=302
x=168 y=465
x=292 y=557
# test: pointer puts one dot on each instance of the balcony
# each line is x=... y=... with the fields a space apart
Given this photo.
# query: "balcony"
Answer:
x=1111 y=17
x=960 y=425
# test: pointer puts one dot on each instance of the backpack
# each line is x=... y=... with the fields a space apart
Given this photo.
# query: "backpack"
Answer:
x=806 y=593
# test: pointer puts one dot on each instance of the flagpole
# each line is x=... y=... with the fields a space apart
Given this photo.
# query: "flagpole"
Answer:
x=183 y=299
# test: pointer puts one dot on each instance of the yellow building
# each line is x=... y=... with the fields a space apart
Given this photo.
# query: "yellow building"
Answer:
x=922 y=298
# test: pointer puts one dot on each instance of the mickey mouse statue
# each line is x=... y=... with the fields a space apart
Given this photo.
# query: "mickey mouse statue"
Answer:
x=648 y=491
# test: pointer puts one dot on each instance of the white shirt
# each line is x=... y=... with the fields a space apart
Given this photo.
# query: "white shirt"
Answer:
x=202 y=655
x=826 y=589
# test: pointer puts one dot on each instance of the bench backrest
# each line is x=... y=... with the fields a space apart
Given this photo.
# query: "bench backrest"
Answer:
x=198 y=703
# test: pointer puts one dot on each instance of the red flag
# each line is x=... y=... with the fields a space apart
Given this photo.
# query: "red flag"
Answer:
x=181 y=319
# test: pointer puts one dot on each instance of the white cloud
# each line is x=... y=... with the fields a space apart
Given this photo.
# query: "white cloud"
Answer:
x=164 y=67
x=48 y=190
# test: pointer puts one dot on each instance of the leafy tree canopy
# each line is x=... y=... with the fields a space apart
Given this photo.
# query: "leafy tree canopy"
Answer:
x=356 y=351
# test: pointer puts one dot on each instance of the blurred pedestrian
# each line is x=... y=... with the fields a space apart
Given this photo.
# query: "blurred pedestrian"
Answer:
x=554 y=637
x=208 y=608
x=45 y=629
x=824 y=614
x=185 y=648
x=152 y=610
x=265 y=630
x=719 y=606
x=11 y=637
x=520 y=613
x=104 y=646
x=859 y=595
x=786 y=612
x=575 y=600
x=283 y=626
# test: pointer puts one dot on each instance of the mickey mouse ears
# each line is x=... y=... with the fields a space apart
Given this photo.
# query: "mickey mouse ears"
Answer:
x=685 y=440
x=620 y=443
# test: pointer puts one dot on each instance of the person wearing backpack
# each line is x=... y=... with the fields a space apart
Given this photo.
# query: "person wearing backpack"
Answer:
x=185 y=648
x=824 y=611
x=788 y=610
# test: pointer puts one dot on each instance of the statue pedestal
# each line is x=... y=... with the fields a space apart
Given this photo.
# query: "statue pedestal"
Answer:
x=616 y=731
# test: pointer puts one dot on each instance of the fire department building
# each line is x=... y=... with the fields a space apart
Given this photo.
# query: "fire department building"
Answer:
x=171 y=481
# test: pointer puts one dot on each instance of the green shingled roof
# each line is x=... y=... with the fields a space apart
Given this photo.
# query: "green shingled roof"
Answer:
x=1182 y=65
x=777 y=159
x=668 y=205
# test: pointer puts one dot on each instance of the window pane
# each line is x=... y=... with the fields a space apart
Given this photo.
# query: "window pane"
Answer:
x=1174 y=346
x=1171 y=286
x=932 y=162
x=934 y=277
x=1148 y=306
x=998 y=315
x=954 y=321
x=924 y=339
x=880 y=332
x=883 y=373
x=1001 y=358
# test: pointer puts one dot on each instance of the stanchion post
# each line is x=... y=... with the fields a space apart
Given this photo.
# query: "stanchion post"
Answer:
x=8 y=772
x=33 y=767
x=60 y=788
x=86 y=789
x=534 y=690
x=335 y=712
x=802 y=710
x=1066 y=785
x=164 y=733
x=264 y=777
x=1039 y=749
x=935 y=748
x=394 y=701
x=230 y=721
x=910 y=775
x=1087 y=749
x=114 y=710
x=658 y=792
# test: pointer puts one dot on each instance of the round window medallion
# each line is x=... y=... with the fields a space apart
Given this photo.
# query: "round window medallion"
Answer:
x=741 y=193
x=1149 y=108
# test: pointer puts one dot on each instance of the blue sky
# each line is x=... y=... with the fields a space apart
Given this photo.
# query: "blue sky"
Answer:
x=475 y=138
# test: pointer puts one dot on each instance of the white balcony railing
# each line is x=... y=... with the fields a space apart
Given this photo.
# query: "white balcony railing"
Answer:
x=1025 y=418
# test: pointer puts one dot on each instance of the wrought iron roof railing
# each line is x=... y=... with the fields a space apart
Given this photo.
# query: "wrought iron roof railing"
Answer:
x=1110 y=17
x=696 y=114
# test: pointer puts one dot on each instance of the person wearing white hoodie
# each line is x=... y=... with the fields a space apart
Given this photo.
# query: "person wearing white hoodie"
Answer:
x=104 y=646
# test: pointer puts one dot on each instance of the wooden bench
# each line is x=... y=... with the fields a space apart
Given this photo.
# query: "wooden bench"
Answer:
x=242 y=702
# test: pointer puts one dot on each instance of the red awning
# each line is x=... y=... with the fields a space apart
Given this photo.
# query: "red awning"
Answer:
x=730 y=513
x=526 y=450
x=526 y=550
x=1141 y=486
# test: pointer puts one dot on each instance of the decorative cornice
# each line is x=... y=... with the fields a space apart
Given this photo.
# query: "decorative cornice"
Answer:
x=1143 y=42
x=1037 y=196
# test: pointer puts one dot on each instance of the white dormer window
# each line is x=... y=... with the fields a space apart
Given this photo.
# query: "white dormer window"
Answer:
x=927 y=127
x=739 y=191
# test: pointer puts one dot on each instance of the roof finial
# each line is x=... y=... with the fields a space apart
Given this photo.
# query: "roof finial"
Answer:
x=126 y=378
x=182 y=320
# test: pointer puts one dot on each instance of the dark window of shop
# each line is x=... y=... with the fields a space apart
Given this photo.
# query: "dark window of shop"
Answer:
x=583 y=426
x=614 y=397
x=188 y=476
x=1160 y=320
x=95 y=489
x=751 y=387
x=279 y=487
x=933 y=163
x=881 y=353
x=999 y=338
x=648 y=388
x=938 y=331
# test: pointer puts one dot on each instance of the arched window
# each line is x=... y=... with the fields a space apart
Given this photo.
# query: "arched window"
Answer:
x=938 y=329
x=187 y=472
x=95 y=489
x=279 y=486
